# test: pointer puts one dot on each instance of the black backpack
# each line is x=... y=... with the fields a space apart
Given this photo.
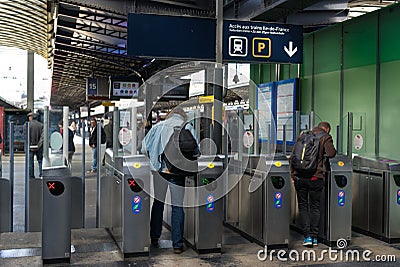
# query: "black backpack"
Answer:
x=304 y=159
x=103 y=136
x=181 y=152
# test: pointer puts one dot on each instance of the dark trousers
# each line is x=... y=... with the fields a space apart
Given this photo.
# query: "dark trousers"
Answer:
x=309 y=199
x=39 y=156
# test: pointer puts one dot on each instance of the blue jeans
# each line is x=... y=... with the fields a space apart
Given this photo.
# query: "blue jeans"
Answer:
x=177 y=190
x=94 y=158
x=39 y=157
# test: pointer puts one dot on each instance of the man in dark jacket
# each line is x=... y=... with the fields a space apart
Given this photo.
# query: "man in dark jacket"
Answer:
x=93 y=143
x=35 y=144
x=309 y=188
x=108 y=129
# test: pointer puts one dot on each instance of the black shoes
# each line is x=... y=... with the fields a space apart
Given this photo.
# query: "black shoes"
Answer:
x=154 y=243
x=178 y=250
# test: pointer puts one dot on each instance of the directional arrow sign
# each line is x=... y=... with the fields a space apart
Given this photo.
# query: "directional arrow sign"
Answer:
x=177 y=37
x=290 y=51
x=248 y=41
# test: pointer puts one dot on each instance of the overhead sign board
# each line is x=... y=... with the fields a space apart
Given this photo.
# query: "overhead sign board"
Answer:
x=161 y=36
x=124 y=87
x=245 y=41
x=91 y=86
x=172 y=37
x=96 y=88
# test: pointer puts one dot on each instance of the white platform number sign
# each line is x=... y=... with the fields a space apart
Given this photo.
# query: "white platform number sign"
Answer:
x=248 y=139
x=124 y=136
x=358 y=141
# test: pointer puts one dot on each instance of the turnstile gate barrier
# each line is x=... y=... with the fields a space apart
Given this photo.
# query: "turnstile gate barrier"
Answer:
x=56 y=220
x=336 y=203
x=376 y=195
x=235 y=174
x=125 y=186
x=34 y=222
x=203 y=223
x=203 y=206
x=5 y=206
x=264 y=201
x=35 y=203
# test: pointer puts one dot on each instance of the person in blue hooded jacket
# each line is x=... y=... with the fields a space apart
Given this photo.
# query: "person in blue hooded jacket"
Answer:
x=153 y=145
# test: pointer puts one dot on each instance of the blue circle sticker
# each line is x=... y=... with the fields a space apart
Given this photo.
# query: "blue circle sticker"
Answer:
x=341 y=198
x=210 y=204
x=278 y=200
x=136 y=204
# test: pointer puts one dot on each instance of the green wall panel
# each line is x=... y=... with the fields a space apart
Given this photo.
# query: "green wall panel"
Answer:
x=294 y=70
x=360 y=97
x=284 y=71
x=268 y=73
x=307 y=66
x=254 y=73
x=390 y=34
x=305 y=95
x=389 y=144
x=327 y=46
x=327 y=95
x=322 y=66
x=360 y=41
x=288 y=71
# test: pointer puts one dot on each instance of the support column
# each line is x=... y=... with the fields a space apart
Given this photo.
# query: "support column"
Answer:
x=218 y=78
x=30 y=81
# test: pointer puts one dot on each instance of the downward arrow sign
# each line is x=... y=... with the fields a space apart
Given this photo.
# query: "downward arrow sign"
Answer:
x=290 y=51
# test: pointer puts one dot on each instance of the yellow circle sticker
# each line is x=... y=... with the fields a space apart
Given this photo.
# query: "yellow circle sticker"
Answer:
x=278 y=164
x=341 y=163
x=136 y=165
x=210 y=165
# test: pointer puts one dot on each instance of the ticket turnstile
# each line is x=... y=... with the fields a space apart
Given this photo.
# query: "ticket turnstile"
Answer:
x=125 y=203
x=203 y=223
x=34 y=221
x=5 y=206
x=203 y=206
x=376 y=197
x=56 y=220
x=235 y=173
x=264 y=201
x=336 y=203
x=35 y=203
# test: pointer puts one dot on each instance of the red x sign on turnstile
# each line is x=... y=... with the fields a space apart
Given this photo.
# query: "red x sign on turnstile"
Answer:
x=131 y=182
x=51 y=185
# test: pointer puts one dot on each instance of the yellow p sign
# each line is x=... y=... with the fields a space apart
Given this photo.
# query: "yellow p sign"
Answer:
x=261 y=47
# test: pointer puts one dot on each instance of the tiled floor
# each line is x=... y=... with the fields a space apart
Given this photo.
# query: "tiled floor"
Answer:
x=95 y=247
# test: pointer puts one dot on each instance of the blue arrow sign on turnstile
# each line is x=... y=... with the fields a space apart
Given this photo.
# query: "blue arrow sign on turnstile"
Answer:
x=246 y=41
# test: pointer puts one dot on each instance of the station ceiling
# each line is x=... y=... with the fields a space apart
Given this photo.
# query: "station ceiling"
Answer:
x=87 y=38
x=24 y=24
x=91 y=41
